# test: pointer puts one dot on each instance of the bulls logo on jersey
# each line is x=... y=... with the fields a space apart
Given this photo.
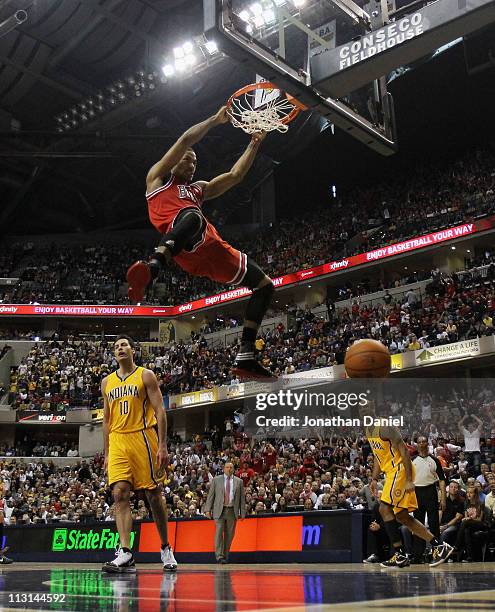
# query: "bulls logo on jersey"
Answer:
x=186 y=193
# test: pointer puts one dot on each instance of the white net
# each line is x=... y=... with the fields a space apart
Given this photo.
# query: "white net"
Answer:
x=267 y=118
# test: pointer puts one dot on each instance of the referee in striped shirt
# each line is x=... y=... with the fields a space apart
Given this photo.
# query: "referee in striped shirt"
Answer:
x=429 y=476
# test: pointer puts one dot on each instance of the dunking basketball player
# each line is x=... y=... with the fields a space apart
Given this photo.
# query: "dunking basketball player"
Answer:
x=174 y=205
x=398 y=496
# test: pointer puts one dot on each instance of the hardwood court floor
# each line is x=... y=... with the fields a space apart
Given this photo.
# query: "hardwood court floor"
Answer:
x=211 y=588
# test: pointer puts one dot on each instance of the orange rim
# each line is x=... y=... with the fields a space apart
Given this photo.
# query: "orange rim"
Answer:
x=298 y=106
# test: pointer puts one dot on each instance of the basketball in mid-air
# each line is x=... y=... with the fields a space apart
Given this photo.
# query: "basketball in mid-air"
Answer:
x=367 y=359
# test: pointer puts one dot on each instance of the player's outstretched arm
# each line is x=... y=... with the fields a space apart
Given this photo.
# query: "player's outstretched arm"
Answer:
x=193 y=135
x=222 y=183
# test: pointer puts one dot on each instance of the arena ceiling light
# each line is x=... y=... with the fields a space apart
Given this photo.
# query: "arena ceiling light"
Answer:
x=168 y=70
x=179 y=53
x=188 y=48
x=258 y=21
x=185 y=60
x=256 y=9
x=261 y=14
x=212 y=47
x=184 y=56
x=269 y=15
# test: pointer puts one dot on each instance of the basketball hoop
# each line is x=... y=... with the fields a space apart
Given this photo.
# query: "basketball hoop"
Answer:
x=262 y=107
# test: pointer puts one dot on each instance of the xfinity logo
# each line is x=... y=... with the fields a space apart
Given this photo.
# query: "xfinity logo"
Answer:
x=185 y=307
x=11 y=309
x=311 y=535
x=338 y=265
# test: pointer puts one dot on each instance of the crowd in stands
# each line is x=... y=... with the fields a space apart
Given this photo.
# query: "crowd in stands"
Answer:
x=430 y=198
x=55 y=375
x=279 y=475
x=453 y=308
x=33 y=448
x=58 y=374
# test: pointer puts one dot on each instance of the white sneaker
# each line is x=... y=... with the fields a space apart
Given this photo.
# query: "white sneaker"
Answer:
x=168 y=559
x=123 y=563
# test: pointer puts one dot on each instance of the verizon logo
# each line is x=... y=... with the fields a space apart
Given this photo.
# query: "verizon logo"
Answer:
x=338 y=265
x=51 y=417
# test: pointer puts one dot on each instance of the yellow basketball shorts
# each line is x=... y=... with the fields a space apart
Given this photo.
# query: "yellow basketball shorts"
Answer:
x=394 y=493
x=132 y=457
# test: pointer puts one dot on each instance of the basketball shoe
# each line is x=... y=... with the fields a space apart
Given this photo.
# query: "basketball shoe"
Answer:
x=399 y=559
x=372 y=559
x=246 y=367
x=168 y=559
x=441 y=553
x=139 y=276
x=122 y=564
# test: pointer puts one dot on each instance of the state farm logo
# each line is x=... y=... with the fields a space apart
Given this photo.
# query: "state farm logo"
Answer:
x=306 y=274
x=185 y=307
x=11 y=309
x=338 y=265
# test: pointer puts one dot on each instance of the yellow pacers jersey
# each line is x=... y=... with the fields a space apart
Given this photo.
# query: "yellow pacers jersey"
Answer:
x=388 y=458
x=130 y=409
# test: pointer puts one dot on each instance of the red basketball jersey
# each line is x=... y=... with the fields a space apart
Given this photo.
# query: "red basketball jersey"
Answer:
x=210 y=256
x=165 y=203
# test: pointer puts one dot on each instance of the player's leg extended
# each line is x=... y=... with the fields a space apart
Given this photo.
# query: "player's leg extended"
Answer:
x=255 y=279
x=123 y=516
x=159 y=511
x=399 y=558
x=186 y=230
x=124 y=561
x=441 y=551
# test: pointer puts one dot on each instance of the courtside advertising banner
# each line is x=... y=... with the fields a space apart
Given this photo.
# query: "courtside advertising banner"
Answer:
x=289 y=536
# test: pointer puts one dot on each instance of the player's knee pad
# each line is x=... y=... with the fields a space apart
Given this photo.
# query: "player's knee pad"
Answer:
x=259 y=302
x=186 y=231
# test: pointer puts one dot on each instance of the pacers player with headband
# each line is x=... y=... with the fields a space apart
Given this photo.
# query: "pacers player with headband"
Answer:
x=398 y=499
x=135 y=440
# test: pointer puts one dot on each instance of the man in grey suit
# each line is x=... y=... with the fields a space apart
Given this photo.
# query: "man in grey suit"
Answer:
x=226 y=499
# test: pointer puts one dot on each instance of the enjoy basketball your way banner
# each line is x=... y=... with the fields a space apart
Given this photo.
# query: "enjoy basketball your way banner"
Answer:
x=393 y=250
